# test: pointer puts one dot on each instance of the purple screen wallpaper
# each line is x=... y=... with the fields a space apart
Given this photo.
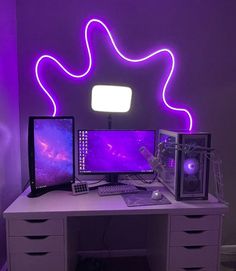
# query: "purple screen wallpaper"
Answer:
x=104 y=151
x=53 y=140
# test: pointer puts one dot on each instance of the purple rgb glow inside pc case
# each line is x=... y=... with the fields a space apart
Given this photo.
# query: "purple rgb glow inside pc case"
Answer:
x=51 y=151
x=114 y=151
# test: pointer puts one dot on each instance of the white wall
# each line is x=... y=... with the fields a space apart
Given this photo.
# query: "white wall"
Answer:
x=10 y=171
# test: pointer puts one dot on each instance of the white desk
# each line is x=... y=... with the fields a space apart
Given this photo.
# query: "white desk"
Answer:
x=41 y=235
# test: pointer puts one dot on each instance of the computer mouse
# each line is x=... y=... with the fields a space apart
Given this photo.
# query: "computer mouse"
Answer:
x=156 y=195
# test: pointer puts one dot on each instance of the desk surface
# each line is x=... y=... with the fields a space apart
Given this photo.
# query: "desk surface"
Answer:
x=64 y=204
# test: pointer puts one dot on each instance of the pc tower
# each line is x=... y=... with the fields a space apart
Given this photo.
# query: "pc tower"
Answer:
x=184 y=158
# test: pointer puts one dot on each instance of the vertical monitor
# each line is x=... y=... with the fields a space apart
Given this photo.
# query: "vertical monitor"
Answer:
x=114 y=151
x=51 y=152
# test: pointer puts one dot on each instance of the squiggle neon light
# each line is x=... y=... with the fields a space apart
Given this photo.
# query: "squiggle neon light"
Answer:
x=85 y=73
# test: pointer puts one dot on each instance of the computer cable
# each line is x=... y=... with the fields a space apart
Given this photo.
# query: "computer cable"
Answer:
x=95 y=181
x=26 y=185
x=143 y=180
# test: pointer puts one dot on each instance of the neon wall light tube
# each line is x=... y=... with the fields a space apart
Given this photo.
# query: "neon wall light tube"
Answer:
x=121 y=55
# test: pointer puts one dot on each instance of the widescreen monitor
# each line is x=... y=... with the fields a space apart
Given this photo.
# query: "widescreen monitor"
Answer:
x=114 y=151
x=51 y=153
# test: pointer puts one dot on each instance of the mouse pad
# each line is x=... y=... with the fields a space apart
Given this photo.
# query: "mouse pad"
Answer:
x=143 y=198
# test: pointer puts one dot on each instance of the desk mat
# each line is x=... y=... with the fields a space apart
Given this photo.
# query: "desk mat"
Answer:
x=143 y=198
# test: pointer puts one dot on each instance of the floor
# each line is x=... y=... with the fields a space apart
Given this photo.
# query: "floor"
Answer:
x=124 y=264
x=114 y=264
x=228 y=262
x=224 y=268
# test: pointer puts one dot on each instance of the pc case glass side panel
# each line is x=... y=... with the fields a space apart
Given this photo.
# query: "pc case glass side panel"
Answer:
x=53 y=141
x=193 y=163
x=168 y=161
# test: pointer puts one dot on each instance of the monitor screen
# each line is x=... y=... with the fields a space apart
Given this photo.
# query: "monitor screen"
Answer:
x=51 y=151
x=114 y=151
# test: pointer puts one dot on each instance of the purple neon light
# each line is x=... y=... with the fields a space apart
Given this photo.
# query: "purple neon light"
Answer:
x=191 y=166
x=90 y=62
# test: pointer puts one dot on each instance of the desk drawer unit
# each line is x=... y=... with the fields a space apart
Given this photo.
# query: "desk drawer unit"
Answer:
x=36 y=244
x=194 y=242
x=48 y=261
x=30 y=227
x=194 y=237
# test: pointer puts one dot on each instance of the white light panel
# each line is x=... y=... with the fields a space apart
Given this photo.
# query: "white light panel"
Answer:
x=108 y=98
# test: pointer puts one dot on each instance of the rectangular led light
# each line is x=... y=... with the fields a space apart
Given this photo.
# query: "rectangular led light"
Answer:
x=109 y=98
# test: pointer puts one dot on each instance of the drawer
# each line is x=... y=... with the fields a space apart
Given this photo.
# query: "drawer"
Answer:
x=194 y=256
x=194 y=237
x=36 y=244
x=195 y=222
x=31 y=227
x=37 y=262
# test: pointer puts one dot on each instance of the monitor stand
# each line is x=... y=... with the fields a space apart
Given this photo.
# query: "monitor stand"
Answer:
x=38 y=192
x=112 y=178
x=41 y=191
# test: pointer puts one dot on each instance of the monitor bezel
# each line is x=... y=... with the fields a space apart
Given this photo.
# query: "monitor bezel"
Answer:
x=37 y=191
x=115 y=172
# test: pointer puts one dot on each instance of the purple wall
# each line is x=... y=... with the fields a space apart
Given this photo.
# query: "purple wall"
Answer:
x=10 y=170
x=201 y=35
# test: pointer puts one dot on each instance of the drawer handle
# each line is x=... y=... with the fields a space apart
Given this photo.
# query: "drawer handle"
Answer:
x=193 y=268
x=194 y=216
x=194 y=232
x=36 y=220
x=37 y=237
x=193 y=247
x=36 y=253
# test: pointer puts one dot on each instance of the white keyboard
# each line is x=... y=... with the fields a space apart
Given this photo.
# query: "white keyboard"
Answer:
x=116 y=189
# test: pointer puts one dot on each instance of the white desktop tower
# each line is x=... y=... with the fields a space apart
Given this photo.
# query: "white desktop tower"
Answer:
x=185 y=163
